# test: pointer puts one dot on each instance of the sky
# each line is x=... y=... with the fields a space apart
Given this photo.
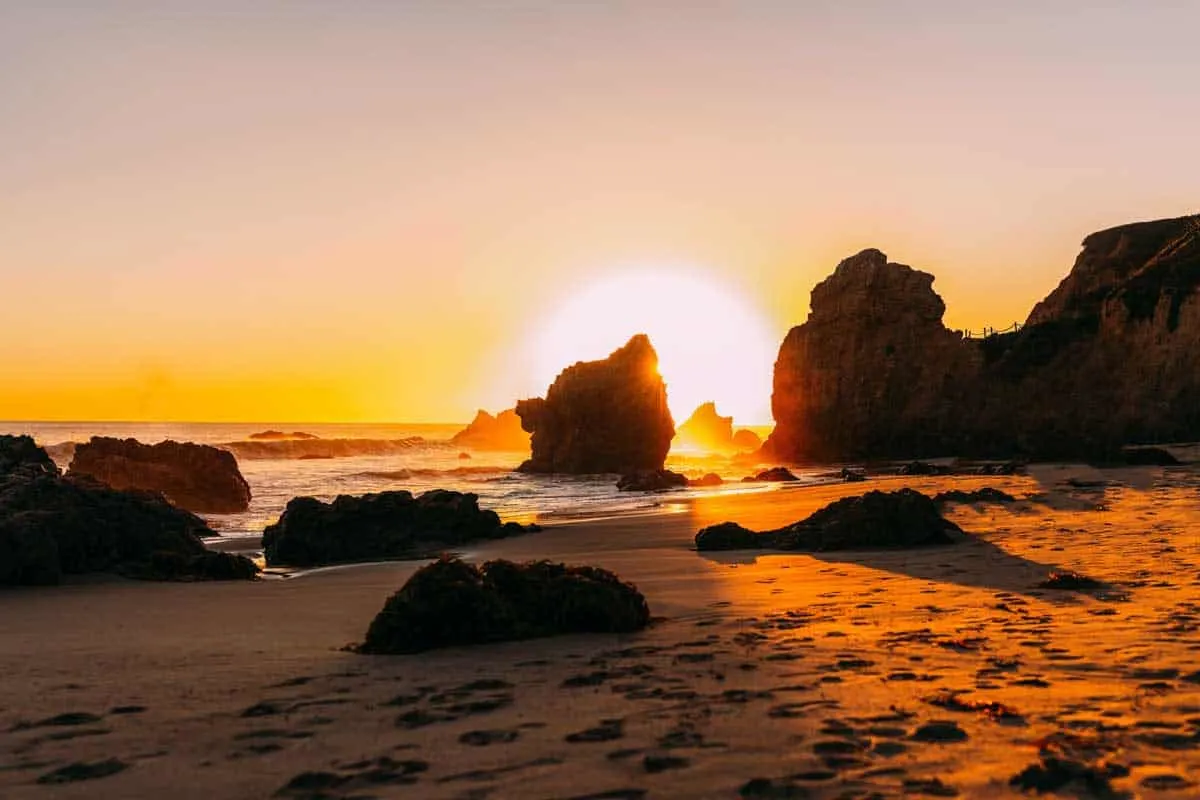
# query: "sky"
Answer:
x=376 y=211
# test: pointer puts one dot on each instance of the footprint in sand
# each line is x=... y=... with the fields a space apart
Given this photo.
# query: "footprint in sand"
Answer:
x=83 y=771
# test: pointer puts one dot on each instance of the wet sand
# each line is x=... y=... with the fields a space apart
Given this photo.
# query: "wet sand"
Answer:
x=920 y=673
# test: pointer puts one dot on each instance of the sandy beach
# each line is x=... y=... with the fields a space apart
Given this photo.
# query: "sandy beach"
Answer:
x=774 y=675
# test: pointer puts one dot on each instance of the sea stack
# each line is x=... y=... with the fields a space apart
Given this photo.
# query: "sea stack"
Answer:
x=607 y=416
x=195 y=477
x=1106 y=360
x=708 y=431
x=487 y=432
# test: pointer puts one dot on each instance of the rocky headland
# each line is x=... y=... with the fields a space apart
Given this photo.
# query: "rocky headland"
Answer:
x=1107 y=359
x=607 y=416
x=707 y=431
x=500 y=432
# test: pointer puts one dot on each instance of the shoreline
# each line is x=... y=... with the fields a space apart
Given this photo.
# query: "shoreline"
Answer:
x=821 y=671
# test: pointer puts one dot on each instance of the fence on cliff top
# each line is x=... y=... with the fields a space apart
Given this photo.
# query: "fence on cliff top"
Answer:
x=986 y=332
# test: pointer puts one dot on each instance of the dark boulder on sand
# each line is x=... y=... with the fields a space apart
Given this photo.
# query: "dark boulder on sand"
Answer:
x=387 y=525
x=607 y=416
x=450 y=602
x=501 y=432
x=652 y=480
x=772 y=475
x=875 y=520
x=21 y=453
x=193 y=476
x=52 y=526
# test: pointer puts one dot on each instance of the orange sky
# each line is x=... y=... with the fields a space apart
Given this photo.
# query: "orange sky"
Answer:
x=365 y=211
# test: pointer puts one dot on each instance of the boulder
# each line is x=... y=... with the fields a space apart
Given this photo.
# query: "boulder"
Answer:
x=651 y=480
x=193 y=476
x=607 y=416
x=923 y=468
x=450 y=603
x=501 y=432
x=374 y=527
x=21 y=453
x=874 y=373
x=52 y=526
x=873 y=521
x=773 y=475
x=851 y=475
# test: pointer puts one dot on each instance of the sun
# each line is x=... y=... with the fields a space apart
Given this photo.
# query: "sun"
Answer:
x=713 y=344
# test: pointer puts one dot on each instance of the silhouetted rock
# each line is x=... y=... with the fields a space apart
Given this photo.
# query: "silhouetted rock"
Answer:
x=52 y=526
x=985 y=495
x=501 y=432
x=875 y=520
x=602 y=416
x=850 y=475
x=1005 y=468
x=1148 y=457
x=192 y=476
x=276 y=436
x=875 y=373
x=1069 y=581
x=746 y=441
x=711 y=479
x=651 y=480
x=774 y=475
x=451 y=603
x=388 y=525
x=21 y=453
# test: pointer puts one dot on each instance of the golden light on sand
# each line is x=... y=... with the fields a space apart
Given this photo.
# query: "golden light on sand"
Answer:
x=713 y=344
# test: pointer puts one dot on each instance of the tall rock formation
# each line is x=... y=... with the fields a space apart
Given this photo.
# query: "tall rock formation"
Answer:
x=602 y=416
x=1107 y=359
x=197 y=477
x=873 y=371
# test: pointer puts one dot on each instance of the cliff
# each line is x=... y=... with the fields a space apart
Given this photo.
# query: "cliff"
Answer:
x=1105 y=360
x=602 y=416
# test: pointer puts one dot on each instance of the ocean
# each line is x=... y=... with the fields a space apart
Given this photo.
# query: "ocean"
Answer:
x=381 y=457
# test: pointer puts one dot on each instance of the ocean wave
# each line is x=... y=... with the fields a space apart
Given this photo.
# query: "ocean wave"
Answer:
x=408 y=474
x=327 y=448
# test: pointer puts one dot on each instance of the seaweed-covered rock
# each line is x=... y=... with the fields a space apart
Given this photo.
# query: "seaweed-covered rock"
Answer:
x=21 y=453
x=875 y=520
x=501 y=432
x=52 y=526
x=607 y=416
x=197 y=477
x=651 y=480
x=772 y=475
x=450 y=602
x=728 y=536
x=372 y=527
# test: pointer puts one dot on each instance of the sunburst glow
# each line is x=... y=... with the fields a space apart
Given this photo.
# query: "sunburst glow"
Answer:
x=712 y=343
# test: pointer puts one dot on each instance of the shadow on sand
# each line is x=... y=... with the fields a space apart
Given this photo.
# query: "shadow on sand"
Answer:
x=974 y=562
